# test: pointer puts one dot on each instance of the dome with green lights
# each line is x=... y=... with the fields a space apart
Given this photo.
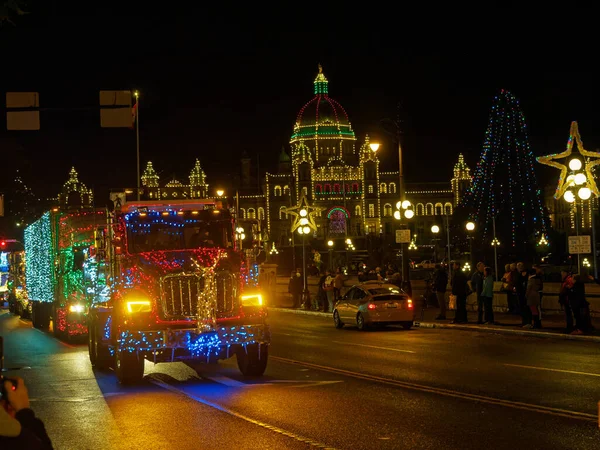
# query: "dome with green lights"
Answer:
x=322 y=117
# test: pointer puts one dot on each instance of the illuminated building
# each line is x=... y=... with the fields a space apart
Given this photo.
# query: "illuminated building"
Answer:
x=174 y=189
x=343 y=177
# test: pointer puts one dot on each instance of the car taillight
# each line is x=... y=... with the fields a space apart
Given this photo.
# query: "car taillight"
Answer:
x=409 y=304
x=371 y=306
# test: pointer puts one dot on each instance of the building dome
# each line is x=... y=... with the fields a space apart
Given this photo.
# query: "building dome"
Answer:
x=322 y=116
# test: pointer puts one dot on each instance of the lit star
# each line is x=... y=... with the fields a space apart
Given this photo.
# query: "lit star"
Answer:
x=311 y=211
x=551 y=160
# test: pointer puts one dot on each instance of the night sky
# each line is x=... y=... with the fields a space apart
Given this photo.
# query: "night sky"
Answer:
x=214 y=85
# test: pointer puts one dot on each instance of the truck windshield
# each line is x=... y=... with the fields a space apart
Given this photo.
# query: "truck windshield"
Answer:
x=147 y=234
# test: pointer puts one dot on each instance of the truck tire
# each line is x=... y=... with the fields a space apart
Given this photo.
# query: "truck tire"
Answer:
x=44 y=311
x=129 y=367
x=99 y=353
x=34 y=314
x=251 y=362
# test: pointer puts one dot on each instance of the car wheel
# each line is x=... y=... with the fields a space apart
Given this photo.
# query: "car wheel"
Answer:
x=252 y=361
x=360 y=322
x=336 y=320
x=407 y=325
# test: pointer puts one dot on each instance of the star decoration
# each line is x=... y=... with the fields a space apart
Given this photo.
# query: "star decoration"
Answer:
x=589 y=163
x=311 y=211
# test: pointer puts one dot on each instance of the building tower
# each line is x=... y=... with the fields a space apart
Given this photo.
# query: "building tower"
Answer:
x=150 y=181
x=75 y=194
x=461 y=181
x=198 y=186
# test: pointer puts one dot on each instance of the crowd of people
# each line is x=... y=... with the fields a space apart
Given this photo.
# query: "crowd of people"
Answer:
x=524 y=293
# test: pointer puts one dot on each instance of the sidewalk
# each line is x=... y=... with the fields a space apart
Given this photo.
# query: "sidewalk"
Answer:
x=553 y=326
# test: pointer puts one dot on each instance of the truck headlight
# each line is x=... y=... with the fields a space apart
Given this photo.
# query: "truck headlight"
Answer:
x=77 y=308
x=138 y=306
x=252 y=300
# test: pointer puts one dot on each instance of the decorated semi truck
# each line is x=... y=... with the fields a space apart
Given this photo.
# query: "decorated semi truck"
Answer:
x=178 y=290
x=64 y=271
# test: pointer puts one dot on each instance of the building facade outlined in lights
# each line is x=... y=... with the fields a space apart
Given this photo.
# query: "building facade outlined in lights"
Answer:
x=335 y=173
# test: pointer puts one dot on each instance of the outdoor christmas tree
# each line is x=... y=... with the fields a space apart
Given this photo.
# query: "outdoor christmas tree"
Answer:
x=504 y=184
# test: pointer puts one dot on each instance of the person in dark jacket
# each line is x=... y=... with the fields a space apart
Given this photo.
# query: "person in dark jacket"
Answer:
x=460 y=289
x=19 y=428
x=295 y=287
x=477 y=286
x=440 y=283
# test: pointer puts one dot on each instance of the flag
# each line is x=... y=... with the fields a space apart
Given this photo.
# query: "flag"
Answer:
x=133 y=115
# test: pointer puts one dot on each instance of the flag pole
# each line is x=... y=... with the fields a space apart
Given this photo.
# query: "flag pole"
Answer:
x=137 y=140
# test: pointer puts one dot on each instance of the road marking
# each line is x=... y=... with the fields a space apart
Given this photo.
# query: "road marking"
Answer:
x=447 y=392
x=273 y=428
x=554 y=370
x=225 y=380
x=306 y=383
x=374 y=346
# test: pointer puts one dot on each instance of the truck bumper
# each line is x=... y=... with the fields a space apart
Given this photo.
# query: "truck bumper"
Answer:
x=171 y=344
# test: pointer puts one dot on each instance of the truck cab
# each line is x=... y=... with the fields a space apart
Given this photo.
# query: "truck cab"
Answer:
x=176 y=291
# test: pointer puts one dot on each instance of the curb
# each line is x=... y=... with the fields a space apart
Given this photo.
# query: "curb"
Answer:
x=540 y=334
x=301 y=311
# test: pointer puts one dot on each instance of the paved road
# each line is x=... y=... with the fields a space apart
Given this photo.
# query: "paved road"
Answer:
x=326 y=388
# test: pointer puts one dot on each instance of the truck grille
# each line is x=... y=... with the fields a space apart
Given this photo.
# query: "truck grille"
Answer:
x=180 y=294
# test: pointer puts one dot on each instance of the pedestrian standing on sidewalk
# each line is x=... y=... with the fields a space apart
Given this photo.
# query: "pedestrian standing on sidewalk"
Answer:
x=564 y=297
x=487 y=295
x=459 y=289
x=295 y=287
x=580 y=306
x=321 y=296
x=440 y=284
x=328 y=288
x=338 y=284
x=522 y=279
x=476 y=285
x=532 y=294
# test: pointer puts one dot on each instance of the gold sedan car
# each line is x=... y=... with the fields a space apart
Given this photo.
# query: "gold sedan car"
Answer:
x=374 y=303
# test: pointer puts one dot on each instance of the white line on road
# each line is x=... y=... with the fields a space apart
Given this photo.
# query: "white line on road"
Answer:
x=554 y=370
x=275 y=429
x=447 y=392
x=374 y=346
x=225 y=380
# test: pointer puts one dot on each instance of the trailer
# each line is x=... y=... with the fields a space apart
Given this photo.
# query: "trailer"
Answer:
x=62 y=271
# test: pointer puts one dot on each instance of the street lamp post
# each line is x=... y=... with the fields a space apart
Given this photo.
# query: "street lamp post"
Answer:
x=330 y=246
x=240 y=236
x=495 y=244
x=404 y=209
x=470 y=226
x=136 y=94
x=303 y=230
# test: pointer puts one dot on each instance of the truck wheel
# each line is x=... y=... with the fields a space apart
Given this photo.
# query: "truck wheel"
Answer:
x=34 y=315
x=99 y=353
x=129 y=367
x=43 y=316
x=251 y=362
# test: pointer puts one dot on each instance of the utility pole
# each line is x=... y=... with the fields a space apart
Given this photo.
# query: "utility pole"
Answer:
x=137 y=141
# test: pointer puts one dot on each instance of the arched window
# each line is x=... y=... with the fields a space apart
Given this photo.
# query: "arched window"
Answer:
x=429 y=209
x=420 y=209
x=305 y=191
x=347 y=187
x=387 y=210
x=261 y=213
x=370 y=189
x=282 y=212
x=251 y=213
x=277 y=191
x=336 y=188
x=242 y=213
x=383 y=188
x=357 y=211
x=318 y=188
x=371 y=210
x=392 y=188
x=286 y=190
x=439 y=209
x=448 y=209
x=327 y=188
x=355 y=187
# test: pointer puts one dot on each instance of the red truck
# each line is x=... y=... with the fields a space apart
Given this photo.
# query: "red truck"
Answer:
x=177 y=291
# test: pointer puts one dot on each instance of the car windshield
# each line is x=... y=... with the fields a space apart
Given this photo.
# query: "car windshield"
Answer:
x=385 y=291
x=152 y=232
